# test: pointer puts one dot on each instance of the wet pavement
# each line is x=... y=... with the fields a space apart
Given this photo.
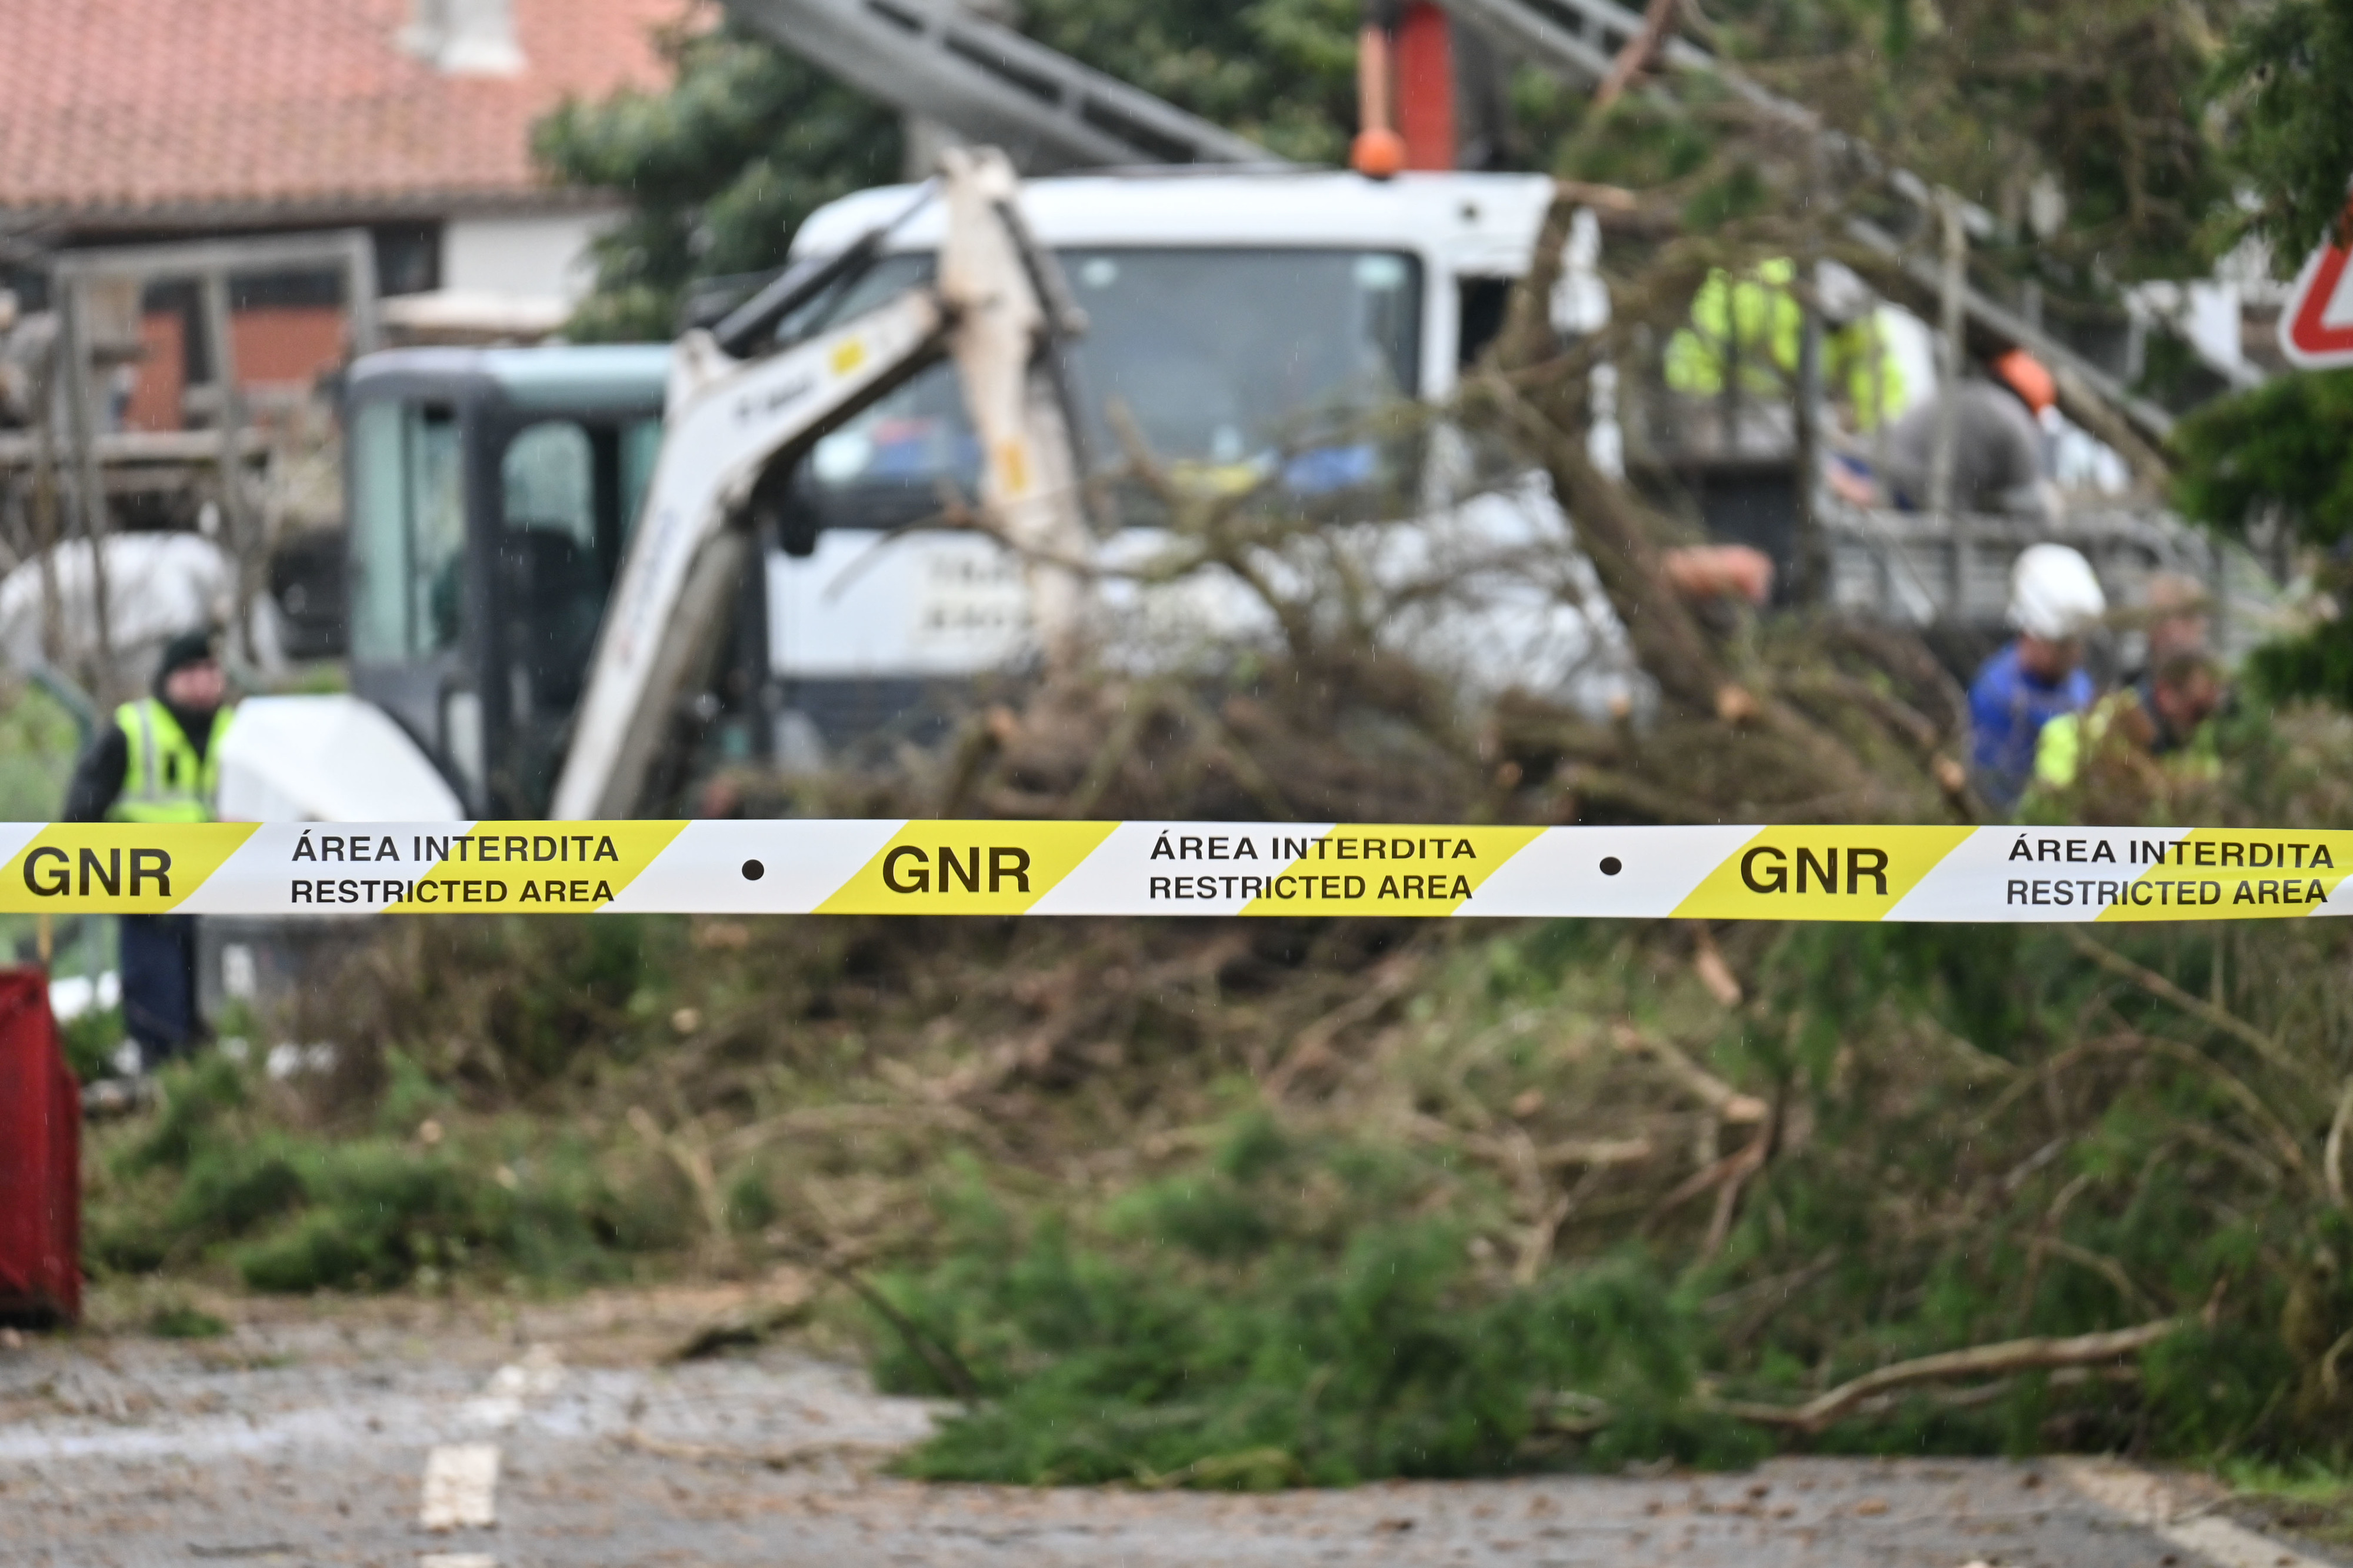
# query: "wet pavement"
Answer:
x=411 y=1435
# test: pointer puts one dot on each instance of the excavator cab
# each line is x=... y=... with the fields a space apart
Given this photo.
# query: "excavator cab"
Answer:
x=551 y=550
x=491 y=494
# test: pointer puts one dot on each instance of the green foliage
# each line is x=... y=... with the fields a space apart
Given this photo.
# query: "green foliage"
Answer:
x=1829 y=977
x=2287 y=82
x=579 y=978
x=719 y=171
x=232 y=1186
x=2126 y=1177
x=410 y=1096
x=2304 y=1496
x=181 y=1322
x=90 y=1041
x=1281 y=72
x=287 y=1211
x=196 y=1097
x=2104 y=96
x=1985 y=1137
x=751 y=1206
x=2286 y=444
x=1268 y=1319
x=511 y=1005
x=2283 y=450
x=2317 y=664
x=39 y=743
x=378 y=1216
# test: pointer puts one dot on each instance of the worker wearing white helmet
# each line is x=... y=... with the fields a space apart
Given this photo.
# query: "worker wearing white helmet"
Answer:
x=2054 y=600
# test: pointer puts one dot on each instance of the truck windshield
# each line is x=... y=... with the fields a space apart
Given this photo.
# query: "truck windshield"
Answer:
x=1232 y=367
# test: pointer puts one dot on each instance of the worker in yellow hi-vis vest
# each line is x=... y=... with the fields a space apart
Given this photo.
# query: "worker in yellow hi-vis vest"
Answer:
x=1748 y=329
x=159 y=761
x=2162 y=726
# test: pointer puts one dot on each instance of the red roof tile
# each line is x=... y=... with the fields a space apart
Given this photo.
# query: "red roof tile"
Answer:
x=114 y=108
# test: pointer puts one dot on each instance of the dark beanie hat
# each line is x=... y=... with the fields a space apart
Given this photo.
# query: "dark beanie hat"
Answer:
x=187 y=648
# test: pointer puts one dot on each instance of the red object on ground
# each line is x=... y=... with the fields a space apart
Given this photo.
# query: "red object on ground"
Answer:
x=1425 y=86
x=40 y=1160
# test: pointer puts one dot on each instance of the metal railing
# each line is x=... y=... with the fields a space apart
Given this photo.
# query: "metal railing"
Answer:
x=1581 y=38
x=1918 y=569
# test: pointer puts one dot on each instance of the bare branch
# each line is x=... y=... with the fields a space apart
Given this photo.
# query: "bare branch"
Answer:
x=2157 y=985
x=1979 y=1361
x=1635 y=57
x=2332 y=1158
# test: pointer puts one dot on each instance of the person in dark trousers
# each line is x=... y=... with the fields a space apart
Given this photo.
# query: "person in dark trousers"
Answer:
x=159 y=761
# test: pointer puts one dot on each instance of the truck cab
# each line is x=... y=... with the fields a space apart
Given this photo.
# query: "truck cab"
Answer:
x=1241 y=325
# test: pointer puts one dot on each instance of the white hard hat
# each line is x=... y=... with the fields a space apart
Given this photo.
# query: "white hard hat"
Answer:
x=2053 y=594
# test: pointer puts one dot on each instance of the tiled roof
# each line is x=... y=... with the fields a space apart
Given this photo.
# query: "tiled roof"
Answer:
x=122 y=109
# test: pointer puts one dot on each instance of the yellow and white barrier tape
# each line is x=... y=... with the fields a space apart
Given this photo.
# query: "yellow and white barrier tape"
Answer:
x=924 y=866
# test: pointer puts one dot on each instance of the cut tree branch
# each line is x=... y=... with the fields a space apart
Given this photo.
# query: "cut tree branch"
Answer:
x=2221 y=1019
x=2332 y=1157
x=1979 y=1361
x=1636 y=56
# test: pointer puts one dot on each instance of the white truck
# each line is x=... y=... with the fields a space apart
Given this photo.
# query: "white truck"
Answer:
x=1242 y=326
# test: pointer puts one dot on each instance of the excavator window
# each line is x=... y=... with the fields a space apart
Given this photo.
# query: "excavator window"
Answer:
x=568 y=491
x=409 y=532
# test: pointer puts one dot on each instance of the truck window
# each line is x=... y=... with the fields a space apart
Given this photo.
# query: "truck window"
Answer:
x=1233 y=365
x=408 y=532
x=1480 y=303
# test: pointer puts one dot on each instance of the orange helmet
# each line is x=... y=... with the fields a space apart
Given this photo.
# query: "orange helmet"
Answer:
x=2024 y=375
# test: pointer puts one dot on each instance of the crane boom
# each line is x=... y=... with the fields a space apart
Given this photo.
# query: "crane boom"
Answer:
x=991 y=85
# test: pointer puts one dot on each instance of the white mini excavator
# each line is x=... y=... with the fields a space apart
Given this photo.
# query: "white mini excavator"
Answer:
x=551 y=547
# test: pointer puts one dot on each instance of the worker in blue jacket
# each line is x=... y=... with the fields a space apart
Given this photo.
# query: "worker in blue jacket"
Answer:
x=2054 y=600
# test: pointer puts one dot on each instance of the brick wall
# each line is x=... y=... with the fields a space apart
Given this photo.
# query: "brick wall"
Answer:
x=163 y=372
x=277 y=345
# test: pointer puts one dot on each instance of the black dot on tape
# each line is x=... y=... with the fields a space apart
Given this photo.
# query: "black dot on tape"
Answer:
x=1611 y=865
x=753 y=870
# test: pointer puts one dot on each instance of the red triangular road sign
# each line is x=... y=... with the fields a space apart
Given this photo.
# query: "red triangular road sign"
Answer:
x=2315 y=327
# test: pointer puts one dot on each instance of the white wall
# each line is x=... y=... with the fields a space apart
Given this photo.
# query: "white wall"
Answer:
x=542 y=256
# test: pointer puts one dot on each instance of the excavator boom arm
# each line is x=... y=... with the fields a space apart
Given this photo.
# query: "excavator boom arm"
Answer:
x=728 y=421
